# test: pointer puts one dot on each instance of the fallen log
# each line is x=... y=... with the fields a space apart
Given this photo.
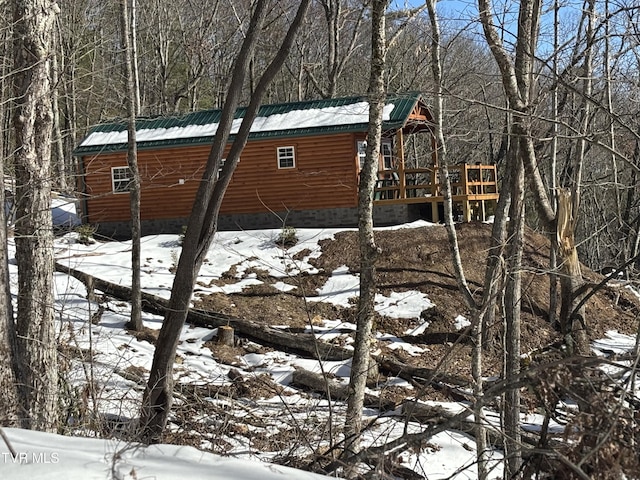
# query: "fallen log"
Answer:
x=336 y=390
x=435 y=414
x=303 y=343
x=429 y=375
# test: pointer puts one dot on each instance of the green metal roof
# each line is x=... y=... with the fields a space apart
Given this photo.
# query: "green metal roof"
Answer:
x=315 y=117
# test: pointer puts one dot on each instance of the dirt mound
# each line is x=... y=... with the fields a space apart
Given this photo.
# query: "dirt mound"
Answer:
x=419 y=259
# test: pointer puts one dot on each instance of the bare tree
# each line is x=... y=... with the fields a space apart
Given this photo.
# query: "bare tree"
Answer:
x=135 y=74
x=37 y=354
x=368 y=248
x=8 y=337
x=202 y=223
x=517 y=83
x=132 y=102
x=572 y=317
x=438 y=114
x=339 y=15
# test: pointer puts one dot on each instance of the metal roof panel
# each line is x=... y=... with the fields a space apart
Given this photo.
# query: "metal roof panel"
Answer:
x=109 y=137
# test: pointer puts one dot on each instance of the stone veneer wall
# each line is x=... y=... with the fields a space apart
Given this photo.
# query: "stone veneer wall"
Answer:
x=334 y=217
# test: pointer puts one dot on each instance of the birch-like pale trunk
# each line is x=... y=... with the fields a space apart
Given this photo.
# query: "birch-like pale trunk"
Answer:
x=438 y=118
x=135 y=323
x=368 y=249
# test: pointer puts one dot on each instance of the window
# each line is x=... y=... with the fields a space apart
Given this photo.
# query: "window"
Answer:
x=286 y=157
x=120 y=179
x=386 y=151
x=387 y=156
x=222 y=162
x=362 y=152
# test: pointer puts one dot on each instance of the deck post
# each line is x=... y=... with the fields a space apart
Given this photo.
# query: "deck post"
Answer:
x=434 y=212
x=466 y=210
x=402 y=181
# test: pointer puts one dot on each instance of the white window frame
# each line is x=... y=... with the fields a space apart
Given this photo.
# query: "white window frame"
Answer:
x=361 y=147
x=120 y=179
x=287 y=154
x=386 y=150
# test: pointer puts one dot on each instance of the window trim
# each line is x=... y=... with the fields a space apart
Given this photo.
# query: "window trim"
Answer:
x=361 y=153
x=126 y=181
x=387 y=157
x=291 y=157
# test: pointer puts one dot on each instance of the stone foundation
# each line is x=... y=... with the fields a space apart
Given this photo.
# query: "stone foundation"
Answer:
x=383 y=215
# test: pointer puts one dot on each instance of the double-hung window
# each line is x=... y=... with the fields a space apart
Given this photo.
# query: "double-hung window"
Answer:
x=286 y=157
x=387 y=156
x=120 y=179
x=362 y=152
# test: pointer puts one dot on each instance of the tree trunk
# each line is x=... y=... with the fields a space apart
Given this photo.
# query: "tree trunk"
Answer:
x=158 y=395
x=8 y=338
x=33 y=24
x=517 y=81
x=368 y=249
x=135 y=323
x=572 y=321
x=553 y=260
x=438 y=112
x=61 y=166
x=511 y=413
x=494 y=270
x=134 y=57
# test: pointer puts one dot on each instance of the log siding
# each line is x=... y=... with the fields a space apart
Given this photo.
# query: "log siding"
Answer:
x=324 y=175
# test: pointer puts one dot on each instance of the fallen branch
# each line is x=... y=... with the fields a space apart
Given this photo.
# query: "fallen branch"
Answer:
x=335 y=390
x=429 y=375
x=14 y=454
x=425 y=413
x=304 y=343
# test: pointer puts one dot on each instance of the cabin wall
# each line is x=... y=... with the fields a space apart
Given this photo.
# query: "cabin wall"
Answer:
x=169 y=181
x=324 y=177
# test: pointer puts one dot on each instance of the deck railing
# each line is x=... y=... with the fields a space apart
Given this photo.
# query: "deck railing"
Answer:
x=418 y=185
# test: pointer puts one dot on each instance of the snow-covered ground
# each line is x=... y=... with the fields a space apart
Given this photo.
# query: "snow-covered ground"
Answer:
x=116 y=353
x=55 y=457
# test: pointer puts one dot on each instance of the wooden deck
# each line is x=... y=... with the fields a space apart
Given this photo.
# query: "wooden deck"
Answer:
x=475 y=189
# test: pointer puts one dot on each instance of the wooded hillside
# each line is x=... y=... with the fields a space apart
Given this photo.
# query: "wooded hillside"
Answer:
x=546 y=91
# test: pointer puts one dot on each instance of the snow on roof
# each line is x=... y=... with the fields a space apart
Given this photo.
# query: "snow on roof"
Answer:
x=355 y=113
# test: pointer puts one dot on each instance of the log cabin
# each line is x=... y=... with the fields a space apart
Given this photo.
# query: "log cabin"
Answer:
x=300 y=167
